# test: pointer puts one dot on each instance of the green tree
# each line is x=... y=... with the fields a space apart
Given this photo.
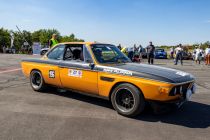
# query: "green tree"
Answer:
x=4 y=38
x=71 y=38
x=44 y=35
x=20 y=38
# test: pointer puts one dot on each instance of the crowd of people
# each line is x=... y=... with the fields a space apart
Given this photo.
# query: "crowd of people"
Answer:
x=136 y=53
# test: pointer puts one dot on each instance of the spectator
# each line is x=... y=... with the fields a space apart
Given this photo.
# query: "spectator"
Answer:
x=198 y=55
x=207 y=55
x=172 y=52
x=150 y=53
x=136 y=54
x=125 y=51
x=4 y=49
x=179 y=54
x=140 y=51
x=53 y=41
x=130 y=53
x=119 y=47
x=194 y=53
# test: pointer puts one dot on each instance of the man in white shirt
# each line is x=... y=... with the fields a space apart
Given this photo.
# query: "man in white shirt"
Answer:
x=207 y=55
x=179 y=53
x=198 y=55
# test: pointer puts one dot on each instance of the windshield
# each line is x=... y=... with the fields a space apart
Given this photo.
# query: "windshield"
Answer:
x=159 y=50
x=108 y=54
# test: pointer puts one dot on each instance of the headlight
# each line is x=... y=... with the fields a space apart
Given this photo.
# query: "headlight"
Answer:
x=164 y=90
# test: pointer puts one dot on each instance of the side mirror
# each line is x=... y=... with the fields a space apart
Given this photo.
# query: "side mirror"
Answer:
x=89 y=61
x=92 y=65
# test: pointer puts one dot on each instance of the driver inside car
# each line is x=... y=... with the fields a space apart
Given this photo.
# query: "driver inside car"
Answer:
x=98 y=55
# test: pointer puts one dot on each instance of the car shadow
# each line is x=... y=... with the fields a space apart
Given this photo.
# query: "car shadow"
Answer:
x=191 y=114
x=81 y=97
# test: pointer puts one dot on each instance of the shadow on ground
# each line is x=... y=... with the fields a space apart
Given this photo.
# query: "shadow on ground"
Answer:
x=191 y=114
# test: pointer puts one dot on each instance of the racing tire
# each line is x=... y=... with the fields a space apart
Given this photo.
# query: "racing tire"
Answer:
x=37 y=81
x=127 y=100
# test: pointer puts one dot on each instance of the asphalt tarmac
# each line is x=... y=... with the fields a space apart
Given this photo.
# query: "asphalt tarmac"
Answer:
x=25 y=114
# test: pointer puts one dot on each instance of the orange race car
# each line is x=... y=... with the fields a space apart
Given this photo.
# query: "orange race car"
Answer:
x=103 y=70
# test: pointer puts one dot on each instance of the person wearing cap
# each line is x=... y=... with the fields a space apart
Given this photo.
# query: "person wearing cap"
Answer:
x=179 y=54
x=53 y=41
x=150 y=53
x=207 y=55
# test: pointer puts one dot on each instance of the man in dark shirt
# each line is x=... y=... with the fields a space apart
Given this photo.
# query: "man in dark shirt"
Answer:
x=119 y=47
x=150 y=53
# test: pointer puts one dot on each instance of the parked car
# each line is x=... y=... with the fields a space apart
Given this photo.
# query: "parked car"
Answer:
x=160 y=54
x=187 y=56
x=144 y=53
x=44 y=50
x=102 y=70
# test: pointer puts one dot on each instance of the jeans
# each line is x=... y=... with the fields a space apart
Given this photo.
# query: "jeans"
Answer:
x=179 y=57
x=150 y=58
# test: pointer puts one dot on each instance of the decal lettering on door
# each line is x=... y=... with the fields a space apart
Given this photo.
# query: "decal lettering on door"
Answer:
x=123 y=72
x=75 y=73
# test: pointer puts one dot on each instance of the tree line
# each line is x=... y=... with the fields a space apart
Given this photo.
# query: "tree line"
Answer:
x=42 y=36
x=189 y=47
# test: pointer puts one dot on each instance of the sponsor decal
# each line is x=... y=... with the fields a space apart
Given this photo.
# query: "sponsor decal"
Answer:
x=51 y=74
x=117 y=71
x=75 y=73
x=181 y=73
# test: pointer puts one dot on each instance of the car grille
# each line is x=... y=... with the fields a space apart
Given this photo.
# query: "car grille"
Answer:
x=180 y=89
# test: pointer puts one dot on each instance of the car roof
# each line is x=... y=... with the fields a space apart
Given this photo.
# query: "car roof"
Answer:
x=83 y=43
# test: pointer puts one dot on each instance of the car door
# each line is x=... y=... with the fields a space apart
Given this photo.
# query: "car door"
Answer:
x=50 y=69
x=78 y=74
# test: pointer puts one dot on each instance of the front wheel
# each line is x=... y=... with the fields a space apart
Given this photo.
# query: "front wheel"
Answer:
x=37 y=81
x=127 y=100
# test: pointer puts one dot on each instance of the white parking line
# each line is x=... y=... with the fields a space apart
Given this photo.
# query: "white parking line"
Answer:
x=12 y=70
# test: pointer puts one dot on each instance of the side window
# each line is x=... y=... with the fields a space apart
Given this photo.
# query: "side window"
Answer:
x=57 y=53
x=88 y=58
x=68 y=54
x=74 y=53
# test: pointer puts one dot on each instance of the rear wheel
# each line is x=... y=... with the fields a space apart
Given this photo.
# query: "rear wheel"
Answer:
x=127 y=100
x=37 y=81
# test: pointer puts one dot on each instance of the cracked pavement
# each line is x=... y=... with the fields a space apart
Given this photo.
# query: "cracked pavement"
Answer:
x=25 y=114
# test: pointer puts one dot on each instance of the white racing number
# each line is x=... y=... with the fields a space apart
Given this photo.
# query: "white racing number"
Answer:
x=75 y=73
x=51 y=74
x=181 y=73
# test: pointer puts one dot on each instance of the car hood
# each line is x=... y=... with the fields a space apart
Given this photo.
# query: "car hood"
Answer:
x=156 y=72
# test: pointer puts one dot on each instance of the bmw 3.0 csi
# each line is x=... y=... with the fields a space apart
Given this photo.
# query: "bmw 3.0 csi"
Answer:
x=103 y=70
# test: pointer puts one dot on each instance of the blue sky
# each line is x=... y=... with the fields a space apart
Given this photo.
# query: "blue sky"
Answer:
x=165 y=22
